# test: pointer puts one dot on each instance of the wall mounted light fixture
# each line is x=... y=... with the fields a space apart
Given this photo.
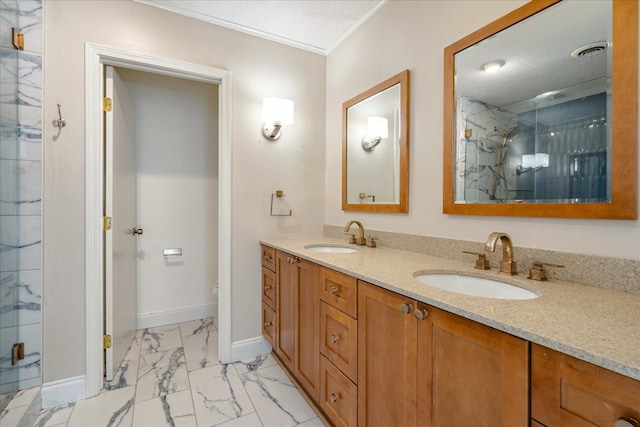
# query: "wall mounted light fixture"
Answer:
x=377 y=130
x=533 y=162
x=276 y=112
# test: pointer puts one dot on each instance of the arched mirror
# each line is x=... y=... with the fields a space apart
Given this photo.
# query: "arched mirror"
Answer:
x=375 y=141
x=540 y=113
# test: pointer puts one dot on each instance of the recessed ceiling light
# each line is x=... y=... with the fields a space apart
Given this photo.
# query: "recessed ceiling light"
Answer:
x=492 y=66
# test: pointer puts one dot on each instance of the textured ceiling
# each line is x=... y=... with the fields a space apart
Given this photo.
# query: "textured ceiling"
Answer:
x=537 y=56
x=315 y=25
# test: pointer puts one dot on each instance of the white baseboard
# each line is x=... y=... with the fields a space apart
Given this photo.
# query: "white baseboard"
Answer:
x=63 y=391
x=162 y=318
x=247 y=349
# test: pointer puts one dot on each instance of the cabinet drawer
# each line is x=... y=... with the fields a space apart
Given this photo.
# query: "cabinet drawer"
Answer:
x=339 y=339
x=338 y=395
x=340 y=291
x=268 y=257
x=269 y=323
x=569 y=391
x=269 y=287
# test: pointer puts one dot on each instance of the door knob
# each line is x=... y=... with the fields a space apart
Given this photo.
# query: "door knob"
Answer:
x=626 y=422
x=420 y=314
x=406 y=308
x=137 y=231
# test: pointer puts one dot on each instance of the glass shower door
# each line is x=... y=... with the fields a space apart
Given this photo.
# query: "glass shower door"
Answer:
x=8 y=191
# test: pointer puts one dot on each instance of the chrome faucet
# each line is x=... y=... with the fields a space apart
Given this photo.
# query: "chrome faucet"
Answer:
x=361 y=240
x=507 y=265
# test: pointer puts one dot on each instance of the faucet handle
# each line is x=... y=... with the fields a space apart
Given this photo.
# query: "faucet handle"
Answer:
x=482 y=263
x=372 y=242
x=537 y=271
x=352 y=239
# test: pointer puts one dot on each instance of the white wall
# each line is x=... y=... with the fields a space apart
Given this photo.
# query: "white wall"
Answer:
x=413 y=35
x=177 y=186
x=259 y=68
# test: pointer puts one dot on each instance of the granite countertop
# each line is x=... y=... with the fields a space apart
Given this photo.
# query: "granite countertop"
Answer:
x=591 y=323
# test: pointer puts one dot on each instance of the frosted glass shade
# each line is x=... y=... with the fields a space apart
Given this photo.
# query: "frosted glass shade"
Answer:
x=528 y=160
x=277 y=110
x=377 y=126
x=541 y=160
x=538 y=160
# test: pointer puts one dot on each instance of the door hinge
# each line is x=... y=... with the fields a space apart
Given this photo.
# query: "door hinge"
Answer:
x=18 y=39
x=106 y=105
x=106 y=223
x=106 y=342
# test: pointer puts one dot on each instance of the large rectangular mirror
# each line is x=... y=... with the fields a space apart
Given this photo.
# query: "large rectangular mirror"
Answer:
x=541 y=113
x=375 y=140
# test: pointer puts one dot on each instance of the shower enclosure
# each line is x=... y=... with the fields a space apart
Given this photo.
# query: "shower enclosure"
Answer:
x=20 y=195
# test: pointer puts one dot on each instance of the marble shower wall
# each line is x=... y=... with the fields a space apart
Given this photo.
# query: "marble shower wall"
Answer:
x=20 y=193
x=478 y=179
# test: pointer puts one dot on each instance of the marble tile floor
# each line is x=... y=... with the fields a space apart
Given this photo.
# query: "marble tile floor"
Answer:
x=171 y=377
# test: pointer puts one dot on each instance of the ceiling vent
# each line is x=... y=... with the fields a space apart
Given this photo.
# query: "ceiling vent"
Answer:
x=589 y=50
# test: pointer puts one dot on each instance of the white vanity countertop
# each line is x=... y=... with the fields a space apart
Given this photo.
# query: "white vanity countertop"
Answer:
x=593 y=324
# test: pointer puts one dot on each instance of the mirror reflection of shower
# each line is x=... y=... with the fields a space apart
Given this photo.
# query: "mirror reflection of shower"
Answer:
x=499 y=174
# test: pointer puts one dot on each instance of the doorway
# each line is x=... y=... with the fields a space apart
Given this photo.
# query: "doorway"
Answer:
x=96 y=57
x=164 y=181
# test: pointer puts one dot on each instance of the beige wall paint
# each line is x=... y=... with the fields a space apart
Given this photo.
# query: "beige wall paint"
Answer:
x=412 y=35
x=259 y=68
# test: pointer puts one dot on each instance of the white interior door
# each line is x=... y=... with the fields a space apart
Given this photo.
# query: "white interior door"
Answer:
x=120 y=205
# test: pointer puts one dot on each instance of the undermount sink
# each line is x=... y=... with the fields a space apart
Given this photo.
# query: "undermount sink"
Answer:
x=331 y=249
x=476 y=286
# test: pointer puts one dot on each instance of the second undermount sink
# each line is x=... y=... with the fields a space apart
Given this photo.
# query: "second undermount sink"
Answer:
x=331 y=249
x=476 y=286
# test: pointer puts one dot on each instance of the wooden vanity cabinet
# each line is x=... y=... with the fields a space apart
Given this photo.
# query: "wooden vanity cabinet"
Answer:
x=566 y=391
x=268 y=259
x=387 y=350
x=339 y=347
x=371 y=357
x=469 y=373
x=298 y=319
x=440 y=370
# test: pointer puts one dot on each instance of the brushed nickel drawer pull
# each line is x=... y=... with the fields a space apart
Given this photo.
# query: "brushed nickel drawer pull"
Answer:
x=334 y=338
x=334 y=397
x=267 y=324
x=333 y=290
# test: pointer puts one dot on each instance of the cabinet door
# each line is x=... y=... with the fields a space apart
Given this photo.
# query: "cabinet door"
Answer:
x=286 y=303
x=470 y=374
x=307 y=321
x=268 y=323
x=566 y=391
x=386 y=358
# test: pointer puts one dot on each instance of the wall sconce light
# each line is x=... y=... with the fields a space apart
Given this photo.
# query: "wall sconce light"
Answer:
x=377 y=130
x=276 y=112
x=533 y=162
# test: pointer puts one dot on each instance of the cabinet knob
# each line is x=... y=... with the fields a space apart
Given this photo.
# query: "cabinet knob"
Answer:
x=626 y=422
x=333 y=290
x=334 y=338
x=266 y=288
x=267 y=324
x=420 y=314
x=268 y=257
x=334 y=397
x=406 y=308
